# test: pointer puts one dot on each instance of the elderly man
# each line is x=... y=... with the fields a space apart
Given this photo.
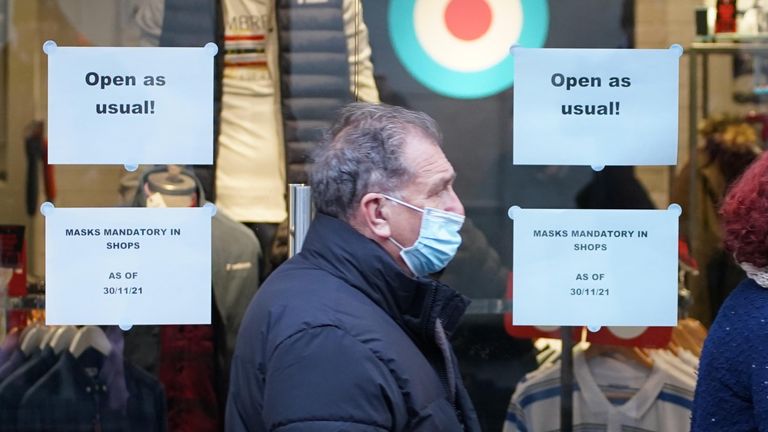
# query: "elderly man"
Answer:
x=351 y=334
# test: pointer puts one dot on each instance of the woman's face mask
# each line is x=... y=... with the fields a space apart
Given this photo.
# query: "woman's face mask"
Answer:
x=438 y=240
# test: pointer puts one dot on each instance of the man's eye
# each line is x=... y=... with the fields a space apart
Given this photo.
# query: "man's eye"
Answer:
x=441 y=192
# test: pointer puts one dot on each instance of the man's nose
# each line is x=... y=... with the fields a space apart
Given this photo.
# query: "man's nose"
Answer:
x=454 y=204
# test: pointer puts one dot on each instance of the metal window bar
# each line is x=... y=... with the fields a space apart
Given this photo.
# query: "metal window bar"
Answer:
x=299 y=216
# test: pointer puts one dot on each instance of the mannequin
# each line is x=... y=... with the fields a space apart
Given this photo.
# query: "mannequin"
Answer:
x=171 y=189
x=176 y=353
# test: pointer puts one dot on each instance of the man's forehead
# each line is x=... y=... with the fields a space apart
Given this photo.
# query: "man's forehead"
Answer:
x=421 y=150
x=429 y=168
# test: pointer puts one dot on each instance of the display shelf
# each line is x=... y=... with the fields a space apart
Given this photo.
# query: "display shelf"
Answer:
x=729 y=47
x=733 y=37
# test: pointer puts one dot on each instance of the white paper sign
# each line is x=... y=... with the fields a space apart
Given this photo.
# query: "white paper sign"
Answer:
x=596 y=107
x=128 y=266
x=130 y=105
x=595 y=267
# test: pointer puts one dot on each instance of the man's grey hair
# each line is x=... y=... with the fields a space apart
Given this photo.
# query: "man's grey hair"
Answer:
x=362 y=153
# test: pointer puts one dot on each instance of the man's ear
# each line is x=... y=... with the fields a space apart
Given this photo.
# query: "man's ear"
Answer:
x=375 y=214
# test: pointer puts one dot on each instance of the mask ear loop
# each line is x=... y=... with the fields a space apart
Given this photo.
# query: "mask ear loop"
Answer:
x=410 y=206
x=396 y=243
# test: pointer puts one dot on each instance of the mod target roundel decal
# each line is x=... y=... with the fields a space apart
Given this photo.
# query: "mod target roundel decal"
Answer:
x=460 y=48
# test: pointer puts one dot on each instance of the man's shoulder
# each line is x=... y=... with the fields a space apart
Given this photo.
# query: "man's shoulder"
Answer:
x=297 y=280
x=299 y=293
x=299 y=301
x=300 y=296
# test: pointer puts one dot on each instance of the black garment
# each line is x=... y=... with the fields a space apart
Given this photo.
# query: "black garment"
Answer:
x=189 y=23
x=68 y=399
x=15 y=361
x=615 y=187
x=14 y=387
x=33 y=145
x=313 y=64
x=265 y=233
x=314 y=76
x=340 y=338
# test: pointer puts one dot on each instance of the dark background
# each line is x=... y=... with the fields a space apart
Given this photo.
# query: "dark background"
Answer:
x=478 y=142
x=478 y=132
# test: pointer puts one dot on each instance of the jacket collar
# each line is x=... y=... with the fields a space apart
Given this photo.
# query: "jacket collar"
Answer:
x=414 y=303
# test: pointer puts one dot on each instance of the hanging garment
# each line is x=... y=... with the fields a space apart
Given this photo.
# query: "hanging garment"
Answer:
x=661 y=400
x=9 y=346
x=33 y=146
x=49 y=178
x=187 y=371
x=676 y=364
x=12 y=390
x=16 y=359
x=74 y=396
x=688 y=358
x=36 y=147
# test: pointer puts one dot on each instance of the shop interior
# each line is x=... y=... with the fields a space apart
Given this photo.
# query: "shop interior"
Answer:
x=722 y=127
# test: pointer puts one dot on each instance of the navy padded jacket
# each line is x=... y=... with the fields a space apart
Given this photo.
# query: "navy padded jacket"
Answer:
x=339 y=338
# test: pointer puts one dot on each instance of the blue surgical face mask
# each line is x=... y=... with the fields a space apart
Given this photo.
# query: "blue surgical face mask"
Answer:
x=438 y=240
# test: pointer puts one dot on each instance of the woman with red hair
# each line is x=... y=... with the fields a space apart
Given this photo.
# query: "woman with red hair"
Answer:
x=732 y=389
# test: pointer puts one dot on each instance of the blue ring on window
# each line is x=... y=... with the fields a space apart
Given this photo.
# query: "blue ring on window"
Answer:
x=457 y=84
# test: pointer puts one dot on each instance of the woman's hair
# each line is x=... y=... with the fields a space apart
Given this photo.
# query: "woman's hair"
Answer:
x=744 y=215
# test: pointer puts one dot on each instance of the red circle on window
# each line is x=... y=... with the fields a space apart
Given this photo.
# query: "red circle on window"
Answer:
x=468 y=19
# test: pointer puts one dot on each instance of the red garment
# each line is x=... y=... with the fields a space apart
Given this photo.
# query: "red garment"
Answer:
x=187 y=371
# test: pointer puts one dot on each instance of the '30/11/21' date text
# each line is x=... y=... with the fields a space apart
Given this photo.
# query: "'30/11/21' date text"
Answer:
x=589 y=292
x=123 y=291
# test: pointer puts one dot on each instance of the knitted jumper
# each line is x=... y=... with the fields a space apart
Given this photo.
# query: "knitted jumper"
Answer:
x=732 y=389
